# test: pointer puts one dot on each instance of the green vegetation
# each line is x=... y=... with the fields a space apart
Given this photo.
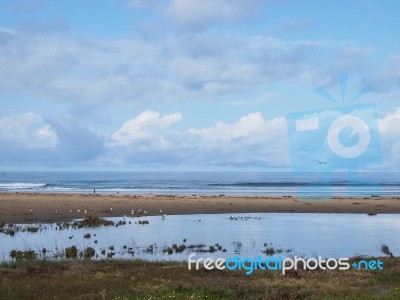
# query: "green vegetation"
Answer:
x=22 y=255
x=115 y=279
x=71 y=252
x=89 y=252
x=385 y=250
x=8 y=231
x=88 y=222
x=175 y=248
x=92 y=221
x=270 y=250
x=32 y=229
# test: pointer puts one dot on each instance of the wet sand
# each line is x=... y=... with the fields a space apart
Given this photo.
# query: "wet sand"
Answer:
x=44 y=207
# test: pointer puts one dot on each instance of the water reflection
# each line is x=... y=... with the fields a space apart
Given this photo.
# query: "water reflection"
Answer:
x=215 y=235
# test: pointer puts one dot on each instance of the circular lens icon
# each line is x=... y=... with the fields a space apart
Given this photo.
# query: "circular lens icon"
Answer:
x=359 y=128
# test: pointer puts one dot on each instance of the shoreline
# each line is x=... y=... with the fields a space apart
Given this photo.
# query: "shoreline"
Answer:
x=20 y=207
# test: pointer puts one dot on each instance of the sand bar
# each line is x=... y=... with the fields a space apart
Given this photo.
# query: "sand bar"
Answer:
x=46 y=207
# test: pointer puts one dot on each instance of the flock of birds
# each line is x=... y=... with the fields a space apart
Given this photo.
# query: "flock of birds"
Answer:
x=141 y=212
x=134 y=212
x=246 y=217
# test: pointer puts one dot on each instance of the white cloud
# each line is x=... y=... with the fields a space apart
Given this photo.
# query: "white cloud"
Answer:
x=142 y=70
x=389 y=125
x=195 y=15
x=199 y=14
x=223 y=132
x=252 y=140
x=149 y=139
x=390 y=139
x=148 y=125
x=28 y=131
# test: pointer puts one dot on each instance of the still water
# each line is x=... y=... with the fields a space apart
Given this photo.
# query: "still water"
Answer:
x=328 y=235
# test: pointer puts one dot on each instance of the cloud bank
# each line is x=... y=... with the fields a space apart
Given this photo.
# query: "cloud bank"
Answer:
x=148 y=140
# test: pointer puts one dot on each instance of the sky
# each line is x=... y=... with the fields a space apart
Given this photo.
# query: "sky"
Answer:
x=186 y=84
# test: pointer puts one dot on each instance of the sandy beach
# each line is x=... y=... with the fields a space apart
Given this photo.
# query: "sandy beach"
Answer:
x=43 y=207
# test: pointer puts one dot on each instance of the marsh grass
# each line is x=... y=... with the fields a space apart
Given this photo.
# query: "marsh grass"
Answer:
x=88 y=222
x=71 y=252
x=105 y=279
x=23 y=255
x=92 y=221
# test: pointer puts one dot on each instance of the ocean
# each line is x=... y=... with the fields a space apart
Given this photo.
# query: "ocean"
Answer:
x=209 y=183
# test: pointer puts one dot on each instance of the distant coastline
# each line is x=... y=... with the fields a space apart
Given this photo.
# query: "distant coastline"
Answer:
x=269 y=184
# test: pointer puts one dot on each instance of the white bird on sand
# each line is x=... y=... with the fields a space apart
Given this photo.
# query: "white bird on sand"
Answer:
x=161 y=211
x=70 y=211
x=132 y=212
x=78 y=210
x=85 y=211
x=30 y=210
x=145 y=212
x=111 y=208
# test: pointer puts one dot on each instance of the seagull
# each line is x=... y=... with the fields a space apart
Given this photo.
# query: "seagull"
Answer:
x=320 y=162
x=78 y=210
x=161 y=211
x=132 y=212
x=85 y=211
x=70 y=211
x=258 y=218
x=145 y=212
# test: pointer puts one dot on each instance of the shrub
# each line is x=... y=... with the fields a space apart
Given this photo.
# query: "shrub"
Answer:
x=71 y=252
x=23 y=255
x=89 y=252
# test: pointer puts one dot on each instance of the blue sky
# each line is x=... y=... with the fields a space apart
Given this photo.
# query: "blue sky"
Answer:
x=191 y=85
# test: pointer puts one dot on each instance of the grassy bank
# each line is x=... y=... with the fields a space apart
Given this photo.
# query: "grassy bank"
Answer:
x=112 y=279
